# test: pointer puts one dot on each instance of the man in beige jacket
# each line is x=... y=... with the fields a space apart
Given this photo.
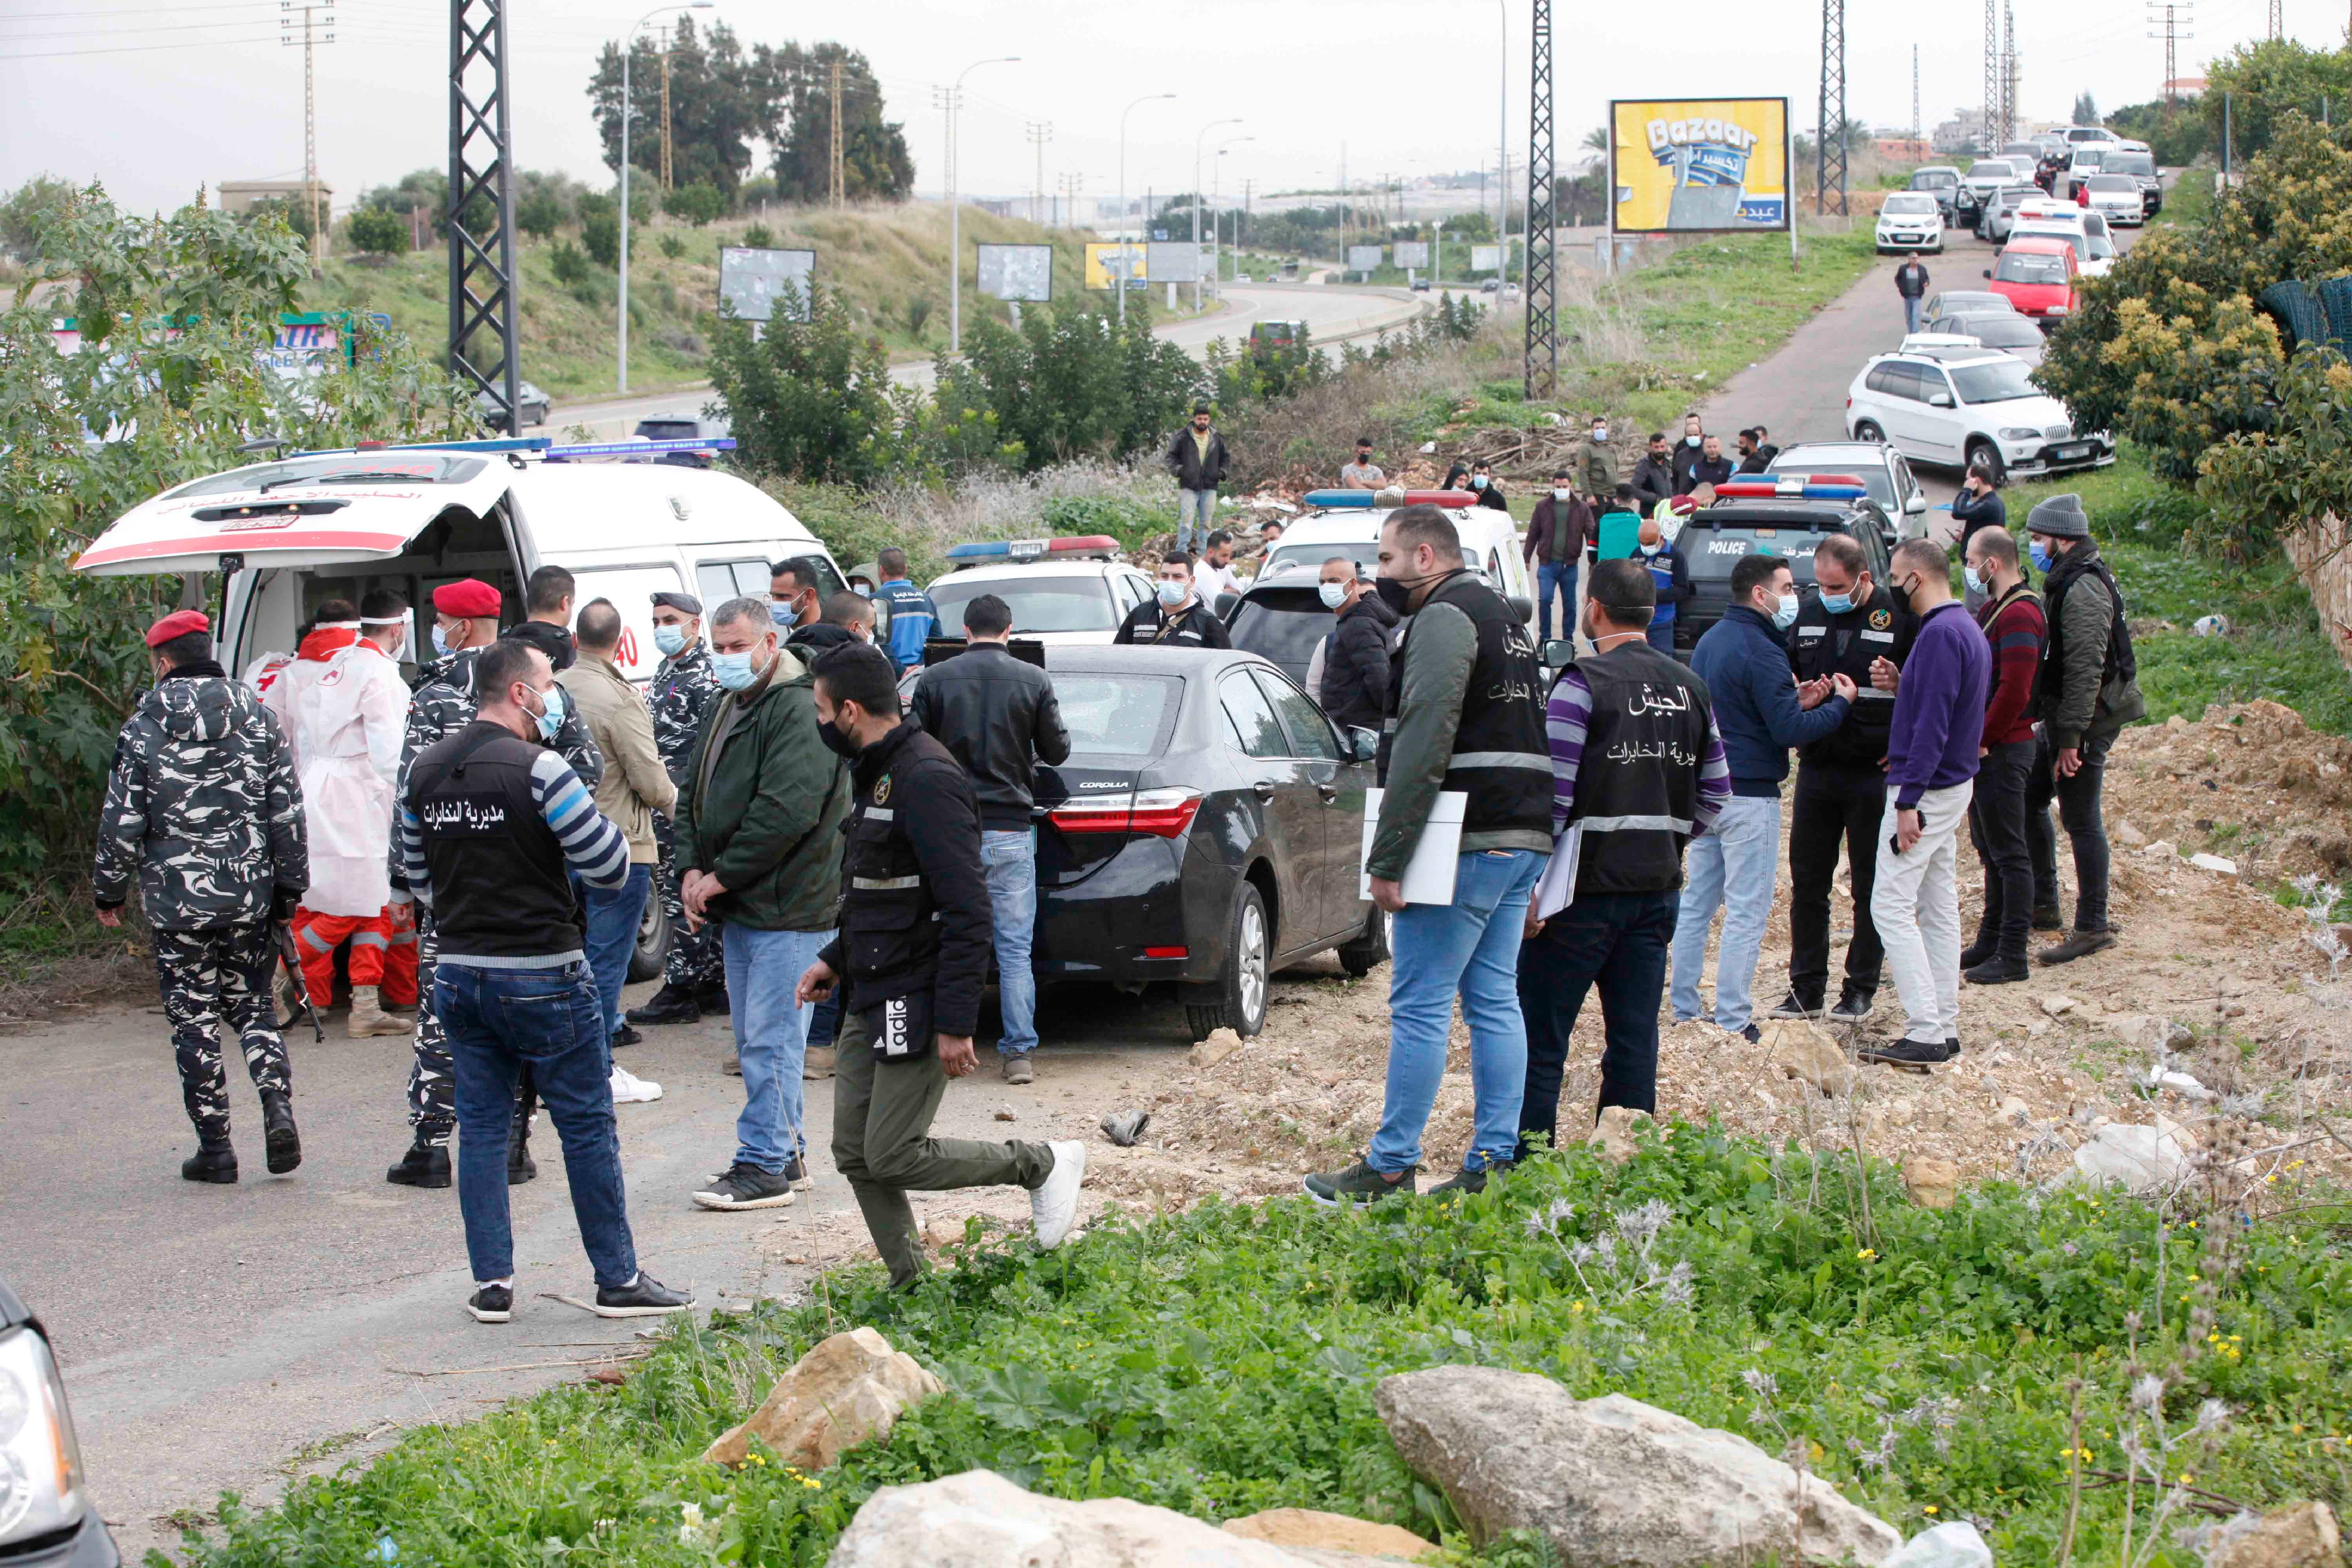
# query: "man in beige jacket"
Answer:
x=635 y=784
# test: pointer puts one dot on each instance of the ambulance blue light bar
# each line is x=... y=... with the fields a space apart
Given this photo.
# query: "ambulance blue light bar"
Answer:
x=640 y=449
x=495 y=444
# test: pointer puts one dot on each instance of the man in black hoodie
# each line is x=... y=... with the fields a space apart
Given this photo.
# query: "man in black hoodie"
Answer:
x=1351 y=678
x=1653 y=477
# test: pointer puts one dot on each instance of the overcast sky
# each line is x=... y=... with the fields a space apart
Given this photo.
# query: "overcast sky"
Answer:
x=154 y=98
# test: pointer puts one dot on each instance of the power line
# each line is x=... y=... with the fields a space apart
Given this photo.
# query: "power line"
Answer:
x=140 y=49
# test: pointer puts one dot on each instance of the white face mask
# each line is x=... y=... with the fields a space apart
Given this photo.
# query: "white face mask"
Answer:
x=1173 y=593
x=1786 y=616
x=1561 y=493
x=1601 y=432
x=1692 y=440
x=1333 y=595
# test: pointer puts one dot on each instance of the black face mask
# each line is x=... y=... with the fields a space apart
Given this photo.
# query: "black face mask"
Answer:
x=839 y=744
x=1397 y=593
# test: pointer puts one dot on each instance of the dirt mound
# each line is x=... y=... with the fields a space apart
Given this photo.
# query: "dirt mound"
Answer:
x=2251 y=784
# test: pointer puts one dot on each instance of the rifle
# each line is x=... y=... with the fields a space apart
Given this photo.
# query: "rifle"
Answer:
x=293 y=962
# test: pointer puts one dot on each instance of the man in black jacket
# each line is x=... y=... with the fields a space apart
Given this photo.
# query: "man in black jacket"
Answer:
x=1911 y=283
x=1687 y=452
x=1840 y=796
x=1197 y=457
x=1176 y=616
x=1710 y=466
x=997 y=715
x=1352 y=684
x=1653 y=477
x=1756 y=453
x=913 y=948
x=1482 y=483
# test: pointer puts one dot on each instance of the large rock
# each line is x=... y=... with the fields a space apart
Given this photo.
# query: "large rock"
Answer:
x=1808 y=1054
x=847 y=1389
x=2304 y=1536
x=1613 y=1142
x=1933 y=1184
x=980 y=1520
x=1611 y=1482
x=1297 y=1528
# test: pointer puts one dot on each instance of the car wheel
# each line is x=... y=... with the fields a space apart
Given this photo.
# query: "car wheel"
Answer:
x=653 y=940
x=1984 y=454
x=535 y=418
x=1238 y=998
x=1868 y=430
x=1369 y=948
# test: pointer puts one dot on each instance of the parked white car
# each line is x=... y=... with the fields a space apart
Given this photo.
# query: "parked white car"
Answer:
x=2118 y=198
x=1910 y=220
x=1955 y=406
x=2088 y=232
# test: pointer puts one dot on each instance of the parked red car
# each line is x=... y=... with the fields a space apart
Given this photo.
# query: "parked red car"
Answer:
x=2037 y=276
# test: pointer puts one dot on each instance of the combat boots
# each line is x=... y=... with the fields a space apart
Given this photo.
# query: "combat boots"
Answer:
x=282 y=1142
x=368 y=1017
x=426 y=1165
x=213 y=1162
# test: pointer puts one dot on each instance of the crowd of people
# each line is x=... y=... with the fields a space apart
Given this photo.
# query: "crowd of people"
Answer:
x=841 y=876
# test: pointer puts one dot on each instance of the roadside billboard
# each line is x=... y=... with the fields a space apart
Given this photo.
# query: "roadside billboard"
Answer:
x=753 y=281
x=1411 y=252
x=1363 y=258
x=1699 y=165
x=1486 y=257
x=1020 y=272
x=1103 y=259
x=1175 y=261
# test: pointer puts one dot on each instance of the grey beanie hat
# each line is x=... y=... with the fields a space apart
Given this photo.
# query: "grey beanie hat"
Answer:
x=2059 y=517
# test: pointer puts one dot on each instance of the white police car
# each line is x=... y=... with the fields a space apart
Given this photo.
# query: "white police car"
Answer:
x=1075 y=590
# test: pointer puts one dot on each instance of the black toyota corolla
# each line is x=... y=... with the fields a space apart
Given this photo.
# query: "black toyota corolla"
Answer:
x=1207 y=830
x=46 y=1518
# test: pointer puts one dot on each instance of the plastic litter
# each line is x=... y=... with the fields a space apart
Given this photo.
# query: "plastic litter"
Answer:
x=2209 y=626
x=2214 y=863
x=2140 y=1160
x=2179 y=1082
x=1953 y=1545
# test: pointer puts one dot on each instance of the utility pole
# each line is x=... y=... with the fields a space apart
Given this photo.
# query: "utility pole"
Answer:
x=2172 y=17
x=2278 y=20
x=665 y=150
x=1829 y=149
x=1914 y=100
x=310 y=116
x=1993 y=69
x=2007 y=72
x=482 y=305
x=1040 y=133
x=840 y=180
x=1535 y=273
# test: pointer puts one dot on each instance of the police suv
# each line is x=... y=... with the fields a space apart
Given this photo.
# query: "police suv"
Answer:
x=1073 y=590
x=1769 y=514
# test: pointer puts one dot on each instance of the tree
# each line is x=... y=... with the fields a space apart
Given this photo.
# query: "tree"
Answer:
x=718 y=104
x=2176 y=133
x=21 y=213
x=699 y=204
x=1071 y=382
x=294 y=212
x=168 y=384
x=539 y=214
x=2086 y=109
x=601 y=233
x=796 y=85
x=378 y=231
x=2265 y=81
x=1596 y=139
x=809 y=400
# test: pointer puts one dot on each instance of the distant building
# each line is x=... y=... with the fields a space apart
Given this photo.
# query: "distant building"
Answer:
x=1902 y=150
x=244 y=195
x=2184 y=87
x=1964 y=131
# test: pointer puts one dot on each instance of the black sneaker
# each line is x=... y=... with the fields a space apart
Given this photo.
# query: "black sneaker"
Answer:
x=215 y=1162
x=492 y=1304
x=1951 y=1048
x=1753 y=1033
x=2081 y=945
x=1358 y=1183
x=1467 y=1182
x=625 y=1035
x=1793 y=1006
x=281 y=1139
x=2049 y=917
x=796 y=1174
x=1853 y=1006
x=646 y=1298
x=1911 y=1056
x=425 y=1166
x=713 y=1002
x=1996 y=971
x=1978 y=952
x=746 y=1187
x=670 y=1004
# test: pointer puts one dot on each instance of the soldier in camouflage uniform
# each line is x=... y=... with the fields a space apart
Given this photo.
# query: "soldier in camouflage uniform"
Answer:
x=694 y=981
x=203 y=805
x=465 y=620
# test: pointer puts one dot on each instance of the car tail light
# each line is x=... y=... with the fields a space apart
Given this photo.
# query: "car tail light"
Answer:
x=1161 y=813
x=1164 y=952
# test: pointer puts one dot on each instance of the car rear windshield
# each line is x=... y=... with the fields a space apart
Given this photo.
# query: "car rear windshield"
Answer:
x=1292 y=557
x=1116 y=715
x=2078 y=243
x=1933 y=179
x=2130 y=163
x=1283 y=627
x=1994 y=380
x=2114 y=182
x=2090 y=157
x=1038 y=604
x=2006 y=331
x=1991 y=169
x=343 y=469
x=1904 y=202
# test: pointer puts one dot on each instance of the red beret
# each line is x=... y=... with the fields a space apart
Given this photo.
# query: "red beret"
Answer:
x=178 y=623
x=1684 y=505
x=468 y=598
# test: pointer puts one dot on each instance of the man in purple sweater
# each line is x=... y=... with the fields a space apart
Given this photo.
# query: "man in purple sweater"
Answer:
x=1931 y=769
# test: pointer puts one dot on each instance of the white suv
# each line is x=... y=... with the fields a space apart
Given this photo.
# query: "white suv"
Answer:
x=1910 y=220
x=1955 y=406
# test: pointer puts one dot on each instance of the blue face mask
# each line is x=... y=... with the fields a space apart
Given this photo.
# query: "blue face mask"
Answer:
x=2039 y=555
x=669 y=639
x=550 y=717
x=1173 y=593
x=783 y=615
x=734 y=670
x=1837 y=603
x=1477 y=481
x=1786 y=616
x=440 y=640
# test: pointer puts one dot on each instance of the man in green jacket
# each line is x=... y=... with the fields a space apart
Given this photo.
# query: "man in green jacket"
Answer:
x=2088 y=691
x=1596 y=465
x=758 y=851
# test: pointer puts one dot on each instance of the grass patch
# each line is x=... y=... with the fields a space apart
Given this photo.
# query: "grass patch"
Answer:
x=1222 y=1361
x=2276 y=648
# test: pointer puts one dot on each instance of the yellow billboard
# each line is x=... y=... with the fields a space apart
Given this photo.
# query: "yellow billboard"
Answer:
x=1698 y=165
x=1102 y=256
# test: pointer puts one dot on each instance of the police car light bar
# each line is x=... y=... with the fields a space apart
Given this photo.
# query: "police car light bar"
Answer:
x=640 y=449
x=1346 y=500
x=1034 y=549
x=497 y=444
x=1812 y=487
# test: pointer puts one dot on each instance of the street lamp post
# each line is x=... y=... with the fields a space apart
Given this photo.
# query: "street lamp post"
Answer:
x=955 y=228
x=1211 y=125
x=628 y=44
x=1126 y=260
x=1503 y=155
x=1217 y=184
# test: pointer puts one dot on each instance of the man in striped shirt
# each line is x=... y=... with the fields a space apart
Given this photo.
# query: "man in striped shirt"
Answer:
x=492 y=829
x=1638 y=770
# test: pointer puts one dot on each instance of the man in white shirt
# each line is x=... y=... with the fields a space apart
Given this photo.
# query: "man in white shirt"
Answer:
x=1216 y=572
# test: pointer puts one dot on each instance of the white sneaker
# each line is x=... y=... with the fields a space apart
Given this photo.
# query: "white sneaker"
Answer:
x=1054 y=1208
x=628 y=1089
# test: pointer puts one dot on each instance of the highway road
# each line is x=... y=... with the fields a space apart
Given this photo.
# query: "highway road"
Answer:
x=1332 y=315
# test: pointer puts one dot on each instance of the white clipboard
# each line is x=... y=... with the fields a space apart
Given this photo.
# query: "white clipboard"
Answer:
x=1556 y=889
x=1429 y=876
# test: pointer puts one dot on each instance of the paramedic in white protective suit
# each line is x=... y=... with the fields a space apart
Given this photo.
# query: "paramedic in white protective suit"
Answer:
x=345 y=708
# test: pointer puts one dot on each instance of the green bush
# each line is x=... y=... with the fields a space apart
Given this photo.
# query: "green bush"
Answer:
x=812 y=400
x=697 y=204
x=540 y=213
x=673 y=246
x=758 y=238
x=601 y=233
x=378 y=232
x=1073 y=382
x=569 y=265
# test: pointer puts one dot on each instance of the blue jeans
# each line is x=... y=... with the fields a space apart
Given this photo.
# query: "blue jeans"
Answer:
x=1196 y=513
x=497 y=1023
x=1010 y=858
x=1555 y=577
x=614 y=915
x=1618 y=942
x=1472 y=946
x=1911 y=303
x=771 y=1037
x=1732 y=867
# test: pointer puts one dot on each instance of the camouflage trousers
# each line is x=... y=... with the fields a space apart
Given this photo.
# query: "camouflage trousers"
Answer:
x=693 y=963
x=432 y=1092
x=214 y=976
